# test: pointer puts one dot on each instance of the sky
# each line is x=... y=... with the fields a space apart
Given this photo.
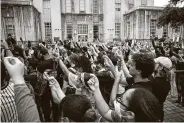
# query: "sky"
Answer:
x=161 y=2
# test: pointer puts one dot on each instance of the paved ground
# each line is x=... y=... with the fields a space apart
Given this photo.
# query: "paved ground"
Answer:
x=174 y=112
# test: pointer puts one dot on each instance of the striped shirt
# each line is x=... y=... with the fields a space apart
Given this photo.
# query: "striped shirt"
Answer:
x=8 y=107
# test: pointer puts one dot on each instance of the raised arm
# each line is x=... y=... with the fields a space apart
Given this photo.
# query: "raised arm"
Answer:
x=6 y=49
x=57 y=93
x=108 y=64
x=123 y=64
x=115 y=87
x=102 y=106
x=64 y=68
x=26 y=107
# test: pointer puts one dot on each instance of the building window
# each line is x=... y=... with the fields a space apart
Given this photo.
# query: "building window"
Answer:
x=68 y=6
x=10 y=27
x=82 y=6
x=153 y=27
x=82 y=29
x=131 y=3
x=95 y=31
x=118 y=6
x=165 y=31
x=128 y=29
x=144 y=2
x=95 y=6
x=118 y=30
x=48 y=31
x=46 y=11
x=69 y=31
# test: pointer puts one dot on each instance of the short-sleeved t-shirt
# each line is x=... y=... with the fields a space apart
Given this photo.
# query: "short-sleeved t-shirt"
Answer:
x=131 y=84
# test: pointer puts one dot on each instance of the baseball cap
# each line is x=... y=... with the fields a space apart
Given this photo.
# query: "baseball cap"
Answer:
x=164 y=61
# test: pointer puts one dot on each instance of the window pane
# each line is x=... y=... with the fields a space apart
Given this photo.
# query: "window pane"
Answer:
x=68 y=6
x=48 y=31
x=153 y=27
x=117 y=29
x=82 y=29
x=95 y=6
x=143 y=2
x=9 y=24
x=82 y=5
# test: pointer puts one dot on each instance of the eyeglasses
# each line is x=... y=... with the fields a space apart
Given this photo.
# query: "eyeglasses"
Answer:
x=119 y=100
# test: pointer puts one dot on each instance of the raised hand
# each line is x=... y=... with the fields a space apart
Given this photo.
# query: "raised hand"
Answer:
x=93 y=82
x=15 y=68
x=4 y=44
x=53 y=83
x=57 y=93
x=107 y=62
x=119 y=54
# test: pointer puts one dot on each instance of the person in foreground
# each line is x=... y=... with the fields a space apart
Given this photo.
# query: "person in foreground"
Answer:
x=136 y=104
x=73 y=107
x=26 y=107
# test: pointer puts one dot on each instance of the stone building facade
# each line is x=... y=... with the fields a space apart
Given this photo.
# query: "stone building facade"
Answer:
x=82 y=20
x=20 y=19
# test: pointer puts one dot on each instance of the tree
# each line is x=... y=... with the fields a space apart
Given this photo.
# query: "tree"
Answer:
x=172 y=14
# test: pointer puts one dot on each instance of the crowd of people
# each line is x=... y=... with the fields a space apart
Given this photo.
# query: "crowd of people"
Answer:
x=89 y=82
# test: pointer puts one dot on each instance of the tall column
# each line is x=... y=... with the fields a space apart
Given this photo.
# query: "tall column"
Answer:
x=56 y=19
x=109 y=19
x=137 y=25
x=145 y=25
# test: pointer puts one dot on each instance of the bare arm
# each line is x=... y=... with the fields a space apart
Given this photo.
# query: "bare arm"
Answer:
x=63 y=67
x=102 y=106
x=124 y=68
x=114 y=89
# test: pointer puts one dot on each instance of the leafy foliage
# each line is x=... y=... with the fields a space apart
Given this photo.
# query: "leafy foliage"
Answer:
x=172 y=14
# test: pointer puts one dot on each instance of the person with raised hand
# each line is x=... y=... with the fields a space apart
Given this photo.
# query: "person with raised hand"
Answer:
x=57 y=93
x=123 y=64
x=135 y=104
x=108 y=64
x=75 y=108
x=26 y=107
x=115 y=87
x=8 y=107
x=5 y=46
x=102 y=106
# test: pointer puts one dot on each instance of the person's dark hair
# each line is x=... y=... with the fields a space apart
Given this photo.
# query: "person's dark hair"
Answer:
x=35 y=53
x=84 y=49
x=84 y=63
x=29 y=44
x=113 y=59
x=100 y=59
x=78 y=108
x=43 y=43
x=145 y=106
x=145 y=63
x=33 y=63
x=106 y=83
x=43 y=51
